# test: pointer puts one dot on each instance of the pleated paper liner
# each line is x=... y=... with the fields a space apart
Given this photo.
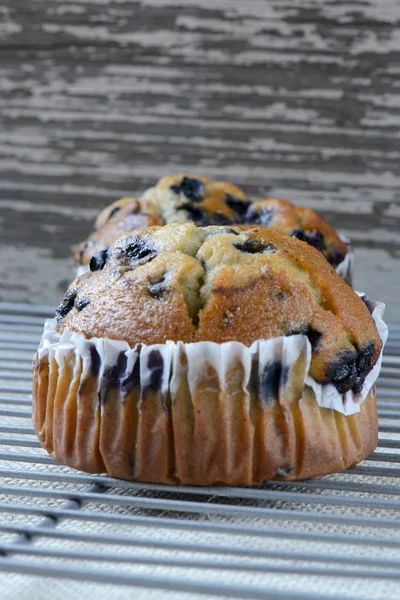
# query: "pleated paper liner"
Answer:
x=200 y=413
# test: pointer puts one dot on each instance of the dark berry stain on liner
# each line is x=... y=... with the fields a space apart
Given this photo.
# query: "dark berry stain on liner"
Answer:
x=81 y=304
x=155 y=364
x=237 y=204
x=95 y=360
x=255 y=246
x=274 y=377
x=99 y=260
x=66 y=305
x=191 y=188
x=112 y=377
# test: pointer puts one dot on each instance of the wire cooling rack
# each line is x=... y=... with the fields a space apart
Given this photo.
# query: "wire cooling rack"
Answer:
x=335 y=537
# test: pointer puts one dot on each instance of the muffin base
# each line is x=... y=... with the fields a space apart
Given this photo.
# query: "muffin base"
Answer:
x=200 y=434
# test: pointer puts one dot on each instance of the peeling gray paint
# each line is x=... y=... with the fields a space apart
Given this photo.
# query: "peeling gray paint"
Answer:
x=99 y=98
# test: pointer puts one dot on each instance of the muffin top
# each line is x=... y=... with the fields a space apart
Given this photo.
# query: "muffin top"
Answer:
x=300 y=222
x=175 y=198
x=223 y=283
x=185 y=197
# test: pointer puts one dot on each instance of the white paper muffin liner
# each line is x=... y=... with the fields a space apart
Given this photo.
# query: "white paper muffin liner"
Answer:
x=161 y=363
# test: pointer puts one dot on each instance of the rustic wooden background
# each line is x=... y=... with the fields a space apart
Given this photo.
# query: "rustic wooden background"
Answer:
x=99 y=98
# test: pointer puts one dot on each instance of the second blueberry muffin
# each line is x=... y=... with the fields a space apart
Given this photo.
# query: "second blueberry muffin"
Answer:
x=184 y=197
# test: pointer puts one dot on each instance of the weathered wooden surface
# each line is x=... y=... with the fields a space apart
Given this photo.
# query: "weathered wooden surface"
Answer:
x=101 y=97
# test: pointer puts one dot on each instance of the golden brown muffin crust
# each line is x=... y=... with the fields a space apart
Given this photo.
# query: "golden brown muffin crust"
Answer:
x=187 y=283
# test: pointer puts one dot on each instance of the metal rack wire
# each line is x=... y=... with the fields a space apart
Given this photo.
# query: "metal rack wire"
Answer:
x=330 y=536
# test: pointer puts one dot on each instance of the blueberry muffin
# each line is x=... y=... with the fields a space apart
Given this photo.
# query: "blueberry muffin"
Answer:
x=184 y=197
x=181 y=197
x=200 y=356
x=300 y=222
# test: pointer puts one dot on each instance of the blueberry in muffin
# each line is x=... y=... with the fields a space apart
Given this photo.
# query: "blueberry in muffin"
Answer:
x=195 y=198
x=122 y=216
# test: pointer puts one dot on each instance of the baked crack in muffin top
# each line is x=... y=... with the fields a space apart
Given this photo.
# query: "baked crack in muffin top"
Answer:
x=224 y=283
x=185 y=197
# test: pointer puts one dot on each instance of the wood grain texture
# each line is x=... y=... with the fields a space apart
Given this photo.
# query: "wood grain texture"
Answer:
x=99 y=98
